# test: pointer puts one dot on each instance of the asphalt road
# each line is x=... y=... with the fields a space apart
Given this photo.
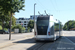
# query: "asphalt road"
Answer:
x=70 y=35
x=60 y=44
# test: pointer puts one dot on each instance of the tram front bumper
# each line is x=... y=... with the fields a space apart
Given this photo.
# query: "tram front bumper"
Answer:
x=46 y=38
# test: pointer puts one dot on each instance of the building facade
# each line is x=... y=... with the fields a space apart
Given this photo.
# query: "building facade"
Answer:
x=23 y=22
x=32 y=17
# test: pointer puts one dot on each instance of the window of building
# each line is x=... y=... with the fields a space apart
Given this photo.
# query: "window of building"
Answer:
x=24 y=24
x=24 y=21
x=19 y=21
x=22 y=18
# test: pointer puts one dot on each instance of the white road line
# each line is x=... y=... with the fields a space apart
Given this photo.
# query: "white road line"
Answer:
x=70 y=40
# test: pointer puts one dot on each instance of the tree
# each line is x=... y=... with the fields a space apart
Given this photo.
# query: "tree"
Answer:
x=68 y=25
x=21 y=29
x=13 y=20
x=31 y=24
x=9 y=7
x=3 y=19
x=6 y=25
x=7 y=22
x=13 y=6
x=0 y=27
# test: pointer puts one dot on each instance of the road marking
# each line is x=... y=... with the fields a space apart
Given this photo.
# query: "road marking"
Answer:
x=70 y=40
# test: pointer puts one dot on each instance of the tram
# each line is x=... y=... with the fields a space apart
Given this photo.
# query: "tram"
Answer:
x=46 y=28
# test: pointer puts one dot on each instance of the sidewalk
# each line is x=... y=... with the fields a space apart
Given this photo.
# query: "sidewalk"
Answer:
x=5 y=37
x=9 y=43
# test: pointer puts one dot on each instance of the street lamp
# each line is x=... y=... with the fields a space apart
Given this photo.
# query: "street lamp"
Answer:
x=34 y=11
x=34 y=17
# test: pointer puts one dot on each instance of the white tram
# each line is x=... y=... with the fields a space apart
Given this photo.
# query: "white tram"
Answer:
x=46 y=28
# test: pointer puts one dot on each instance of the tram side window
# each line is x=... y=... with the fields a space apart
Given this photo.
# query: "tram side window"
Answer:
x=56 y=27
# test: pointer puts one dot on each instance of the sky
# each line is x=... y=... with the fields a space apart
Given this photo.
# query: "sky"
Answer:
x=62 y=10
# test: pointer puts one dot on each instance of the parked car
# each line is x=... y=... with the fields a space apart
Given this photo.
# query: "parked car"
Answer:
x=3 y=32
x=7 y=32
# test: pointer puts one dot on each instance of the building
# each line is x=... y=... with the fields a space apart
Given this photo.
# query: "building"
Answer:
x=23 y=22
x=32 y=17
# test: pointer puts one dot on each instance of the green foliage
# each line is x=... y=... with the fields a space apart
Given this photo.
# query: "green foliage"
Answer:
x=11 y=5
x=28 y=29
x=21 y=29
x=6 y=29
x=13 y=20
x=56 y=26
x=68 y=25
x=0 y=27
x=6 y=24
x=3 y=19
x=16 y=26
x=31 y=24
x=7 y=7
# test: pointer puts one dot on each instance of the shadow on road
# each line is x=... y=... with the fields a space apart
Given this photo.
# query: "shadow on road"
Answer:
x=61 y=43
x=44 y=45
x=32 y=40
x=37 y=44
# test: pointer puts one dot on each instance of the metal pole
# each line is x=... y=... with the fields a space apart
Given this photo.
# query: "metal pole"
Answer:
x=34 y=17
x=67 y=25
x=59 y=29
x=34 y=11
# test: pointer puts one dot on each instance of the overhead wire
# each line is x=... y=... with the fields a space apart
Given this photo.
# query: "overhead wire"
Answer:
x=53 y=5
x=37 y=4
x=42 y=6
